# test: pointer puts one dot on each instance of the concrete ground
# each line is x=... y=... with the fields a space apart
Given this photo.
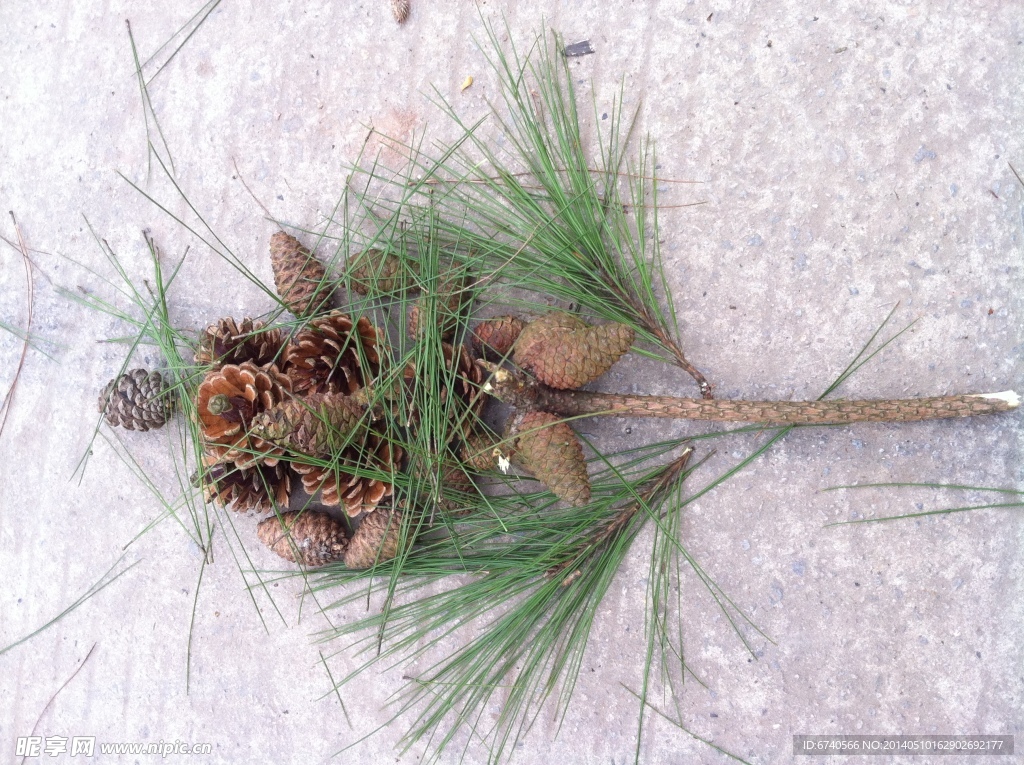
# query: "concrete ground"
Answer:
x=853 y=157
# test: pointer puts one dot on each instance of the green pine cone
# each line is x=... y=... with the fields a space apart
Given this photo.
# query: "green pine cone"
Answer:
x=546 y=446
x=565 y=352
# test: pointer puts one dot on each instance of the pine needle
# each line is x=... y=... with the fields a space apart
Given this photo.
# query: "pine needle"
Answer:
x=5 y=407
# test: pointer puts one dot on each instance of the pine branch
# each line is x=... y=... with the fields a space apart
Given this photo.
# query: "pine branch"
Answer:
x=517 y=389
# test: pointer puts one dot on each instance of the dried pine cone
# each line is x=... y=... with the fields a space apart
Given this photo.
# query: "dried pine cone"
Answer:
x=137 y=400
x=377 y=272
x=300 y=278
x=309 y=538
x=258 y=488
x=357 y=494
x=564 y=352
x=493 y=339
x=318 y=424
x=447 y=305
x=400 y=10
x=333 y=355
x=228 y=402
x=478 y=451
x=547 y=447
x=375 y=541
x=228 y=342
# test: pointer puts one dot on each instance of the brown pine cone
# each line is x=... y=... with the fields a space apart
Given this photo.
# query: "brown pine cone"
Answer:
x=478 y=451
x=318 y=424
x=357 y=494
x=375 y=541
x=137 y=400
x=228 y=342
x=547 y=447
x=333 y=355
x=373 y=271
x=448 y=303
x=493 y=339
x=300 y=278
x=400 y=10
x=309 y=538
x=228 y=402
x=564 y=352
x=258 y=488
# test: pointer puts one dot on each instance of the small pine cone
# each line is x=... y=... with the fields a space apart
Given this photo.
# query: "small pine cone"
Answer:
x=318 y=424
x=309 y=538
x=375 y=541
x=547 y=447
x=228 y=401
x=373 y=271
x=333 y=354
x=400 y=10
x=447 y=306
x=478 y=451
x=228 y=342
x=357 y=494
x=493 y=339
x=300 y=278
x=257 y=489
x=137 y=400
x=564 y=352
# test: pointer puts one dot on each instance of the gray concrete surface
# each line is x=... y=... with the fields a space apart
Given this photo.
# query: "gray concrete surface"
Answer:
x=852 y=156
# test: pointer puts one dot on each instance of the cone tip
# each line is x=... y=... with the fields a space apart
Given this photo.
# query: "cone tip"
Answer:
x=1007 y=396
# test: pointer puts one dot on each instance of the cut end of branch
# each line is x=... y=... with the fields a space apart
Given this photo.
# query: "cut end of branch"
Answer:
x=1008 y=397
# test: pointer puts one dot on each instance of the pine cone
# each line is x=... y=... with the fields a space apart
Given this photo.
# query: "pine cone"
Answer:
x=400 y=10
x=493 y=339
x=357 y=494
x=228 y=342
x=300 y=278
x=137 y=400
x=309 y=538
x=547 y=447
x=447 y=306
x=375 y=541
x=329 y=357
x=228 y=402
x=258 y=488
x=319 y=424
x=373 y=271
x=564 y=352
x=468 y=381
x=478 y=451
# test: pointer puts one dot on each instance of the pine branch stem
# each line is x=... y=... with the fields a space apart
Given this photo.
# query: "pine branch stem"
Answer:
x=573 y=403
x=521 y=391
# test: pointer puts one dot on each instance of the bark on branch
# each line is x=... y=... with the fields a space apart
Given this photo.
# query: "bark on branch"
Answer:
x=517 y=389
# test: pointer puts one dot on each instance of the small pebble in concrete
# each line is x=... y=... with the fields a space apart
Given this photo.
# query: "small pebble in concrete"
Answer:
x=923 y=154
